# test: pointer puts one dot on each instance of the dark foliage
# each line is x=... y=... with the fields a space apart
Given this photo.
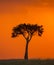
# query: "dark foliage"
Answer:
x=29 y=29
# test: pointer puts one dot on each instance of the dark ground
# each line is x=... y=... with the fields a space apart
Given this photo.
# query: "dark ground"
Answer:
x=26 y=62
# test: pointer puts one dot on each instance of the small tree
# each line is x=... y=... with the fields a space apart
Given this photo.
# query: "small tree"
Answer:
x=27 y=30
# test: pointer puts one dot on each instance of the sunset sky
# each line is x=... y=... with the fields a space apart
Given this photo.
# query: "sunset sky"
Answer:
x=13 y=13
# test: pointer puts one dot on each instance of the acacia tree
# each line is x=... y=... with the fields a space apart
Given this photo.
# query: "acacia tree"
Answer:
x=27 y=30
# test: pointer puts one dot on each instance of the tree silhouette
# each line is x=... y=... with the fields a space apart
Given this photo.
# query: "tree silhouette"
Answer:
x=27 y=30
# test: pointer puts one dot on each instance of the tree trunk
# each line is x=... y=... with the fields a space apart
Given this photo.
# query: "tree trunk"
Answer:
x=26 y=51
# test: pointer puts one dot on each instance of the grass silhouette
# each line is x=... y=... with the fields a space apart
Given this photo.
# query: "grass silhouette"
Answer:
x=26 y=62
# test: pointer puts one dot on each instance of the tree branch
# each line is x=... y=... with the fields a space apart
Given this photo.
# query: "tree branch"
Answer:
x=29 y=36
x=24 y=36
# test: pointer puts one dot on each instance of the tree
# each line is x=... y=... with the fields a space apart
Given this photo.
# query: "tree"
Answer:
x=27 y=30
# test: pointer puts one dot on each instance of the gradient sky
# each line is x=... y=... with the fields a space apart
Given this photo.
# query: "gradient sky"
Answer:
x=12 y=14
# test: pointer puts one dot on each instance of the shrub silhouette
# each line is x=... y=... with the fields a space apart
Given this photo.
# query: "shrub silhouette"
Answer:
x=27 y=30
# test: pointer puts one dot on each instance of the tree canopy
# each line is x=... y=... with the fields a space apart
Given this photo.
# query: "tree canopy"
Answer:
x=27 y=30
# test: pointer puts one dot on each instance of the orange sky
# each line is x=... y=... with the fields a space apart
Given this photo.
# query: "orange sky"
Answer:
x=12 y=14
